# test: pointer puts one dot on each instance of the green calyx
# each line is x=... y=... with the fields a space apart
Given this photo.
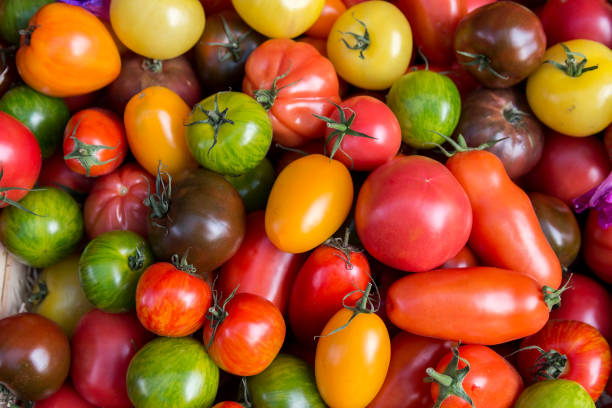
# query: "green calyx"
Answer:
x=231 y=48
x=550 y=365
x=215 y=118
x=152 y=65
x=343 y=246
x=41 y=292
x=460 y=145
x=571 y=66
x=451 y=380
x=513 y=115
x=217 y=313
x=482 y=62
x=137 y=259
x=552 y=297
x=159 y=202
x=27 y=33
x=266 y=97
x=362 y=41
x=5 y=190
x=87 y=154
x=182 y=264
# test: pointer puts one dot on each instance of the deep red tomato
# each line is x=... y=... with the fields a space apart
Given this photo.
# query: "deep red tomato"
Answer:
x=94 y=142
x=55 y=173
x=474 y=4
x=65 y=397
x=214 y=6
x=171 y=299
x=20 y=160
x=116 y=201
x=292 y=80
x=411 y=355
x=103 y=345
x=569 y=167
x=245 y=334
x=464 y=259
x=491 y=381
x=330 y=273
x=608 y=141
x=573 y=350
x=362 y=133
x=597 y=247
x=80 y=102
x=228 y=404
x=259 y=267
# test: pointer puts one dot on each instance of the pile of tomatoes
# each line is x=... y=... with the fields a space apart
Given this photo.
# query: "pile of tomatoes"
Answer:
x=271 y=203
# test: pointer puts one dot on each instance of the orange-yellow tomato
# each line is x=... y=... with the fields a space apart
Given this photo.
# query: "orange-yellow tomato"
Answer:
x=330 y=13
x=309 y=201
x=67 y=51
x=154 y=124
x=351 y=364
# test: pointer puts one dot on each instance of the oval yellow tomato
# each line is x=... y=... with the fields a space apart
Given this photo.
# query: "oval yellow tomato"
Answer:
x=279 y=18
x=575 y=103
x=351 y=364
x=370 y=45
x=309 y=201
x=154 y=126
x=159 y=29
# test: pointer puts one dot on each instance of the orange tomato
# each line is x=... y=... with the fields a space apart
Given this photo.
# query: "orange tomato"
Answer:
x=330 y=13
x=154 y=127
x=67 y=51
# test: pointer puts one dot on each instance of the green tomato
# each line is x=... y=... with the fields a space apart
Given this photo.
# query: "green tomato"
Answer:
x=229 y=132
x=45 y=237
x=254 y=186
x=555 y=394
x=425 y=102
x=109 y=269
x=172 y=373
x=14 y=16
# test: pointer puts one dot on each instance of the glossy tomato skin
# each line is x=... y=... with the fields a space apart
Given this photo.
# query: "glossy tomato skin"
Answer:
x=330 y=13
x=250 y=336
x=55 y=173
x=70 y=52
x=509 y=35
x=34 y=356
x=411 y=355
x=442 y=213
x=259 y=267
x=102 y=347
x=436 y=304
x=116 y=201
x=555 y=394
x=598 y=247
x=319 y=290
x=298 y=218
x=474 y=4
x=464 y=259
x=309 y=87
x=65 y=397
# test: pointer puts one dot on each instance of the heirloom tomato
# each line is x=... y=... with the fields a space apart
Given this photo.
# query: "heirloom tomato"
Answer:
x=14 y=16
x=555 y=394
x=597 y=247
x=464 y=258
x=330 y=13
x=56 y=173
x=65 y=397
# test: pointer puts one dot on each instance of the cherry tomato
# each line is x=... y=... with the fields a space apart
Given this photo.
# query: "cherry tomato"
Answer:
x=330 y=13
x=464 y=259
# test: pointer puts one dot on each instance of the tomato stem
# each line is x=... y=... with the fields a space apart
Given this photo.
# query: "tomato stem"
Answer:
x=87 y=154
x=362 y=41
x=27 y=33
x=182 y=264
x=266 y=97
x=159 y=202
x=552 y=297
x=513 y=115
x=571 y=67
x=245 y=393
x=451 y=380
x=231 y=48
x=153 y=65
x=549 y=365
x=5 y=199
x=216 y=314
x=460 y=145
x=40 y=293
x=216 y=119
x=137 y=259
x=482 y=62
x=343 y=246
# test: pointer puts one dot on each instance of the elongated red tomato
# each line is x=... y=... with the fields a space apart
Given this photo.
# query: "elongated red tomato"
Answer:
x=480 y=305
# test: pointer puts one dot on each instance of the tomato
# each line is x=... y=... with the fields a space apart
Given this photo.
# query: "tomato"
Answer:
x=162 y=30
x=215 y=6
x=14 y=16
x=116 y=201
x=330 y=13
x=327 y=281
x=65 y=397
x=67 y=51
x=478 y=373
x=55 y=173
x=569 y=167
x=259 y=267
x=370 y=45
x=309 y=201
x=598 y=247
x=464 y=259
x=94 y=142
x=154 y=127
x=474 y=4
x=245 y=334
x=34 y=356
x=20 y=160
x=570 y=92
x=500 y=43
x=102 y=347
x=228 y=404
x=292 y=81
x=435 y=212
x=58 y=294
x=463 y=80
x=411 y=355
x=353 y=356
x=254 y=186
x=279 y=18
x=466 y=304
x=555 y=394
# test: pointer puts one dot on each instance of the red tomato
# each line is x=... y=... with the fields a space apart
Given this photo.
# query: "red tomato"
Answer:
x=292 y=81
x=362 y=133
x=330 y=13
x=94 y=142
x=491 y=381
x=574 y=351
x=103 y=345
x=55 y=173
x=474 y=4
x=228 y=404
x=171 y=299
x=116 y=201
x=569 y=167
x=597 y=247
x=331 y=271
x=245 y=334
x=65 y=397
x=20 y=160
x=259 y=267
x=411 y=355
x=464 y=259
x=435 y=214
x=215 y=6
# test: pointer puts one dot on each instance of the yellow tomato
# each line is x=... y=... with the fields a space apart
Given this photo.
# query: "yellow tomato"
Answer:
x=279 y=18
x=160 y=29
x=309 y=201
x=578 y=103
x=154 y=125
x=351 y=364
x=370 y=45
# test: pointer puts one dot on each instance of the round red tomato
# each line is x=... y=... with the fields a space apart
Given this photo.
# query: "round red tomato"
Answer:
x=94 y=142
x=171 y=299
x=55 y=173
x=597 y=247
x=65 y=397
x=464 y=259
x=116 y=201
x=245 y=334
x=435 y=214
